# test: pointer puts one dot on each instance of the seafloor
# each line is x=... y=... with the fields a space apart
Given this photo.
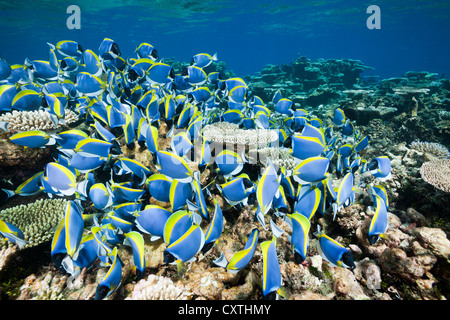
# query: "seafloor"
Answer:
x=412 y=263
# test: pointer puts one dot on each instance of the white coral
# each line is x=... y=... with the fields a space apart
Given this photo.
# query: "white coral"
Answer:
x=158 y=288
x=435 y=149
x=34 y=120
x=230 y=133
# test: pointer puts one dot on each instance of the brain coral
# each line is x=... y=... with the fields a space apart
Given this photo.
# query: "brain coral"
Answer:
x=37 y=220
x=437 y=173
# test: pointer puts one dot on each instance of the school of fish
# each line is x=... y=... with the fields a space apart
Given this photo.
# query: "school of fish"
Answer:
x=125 y=101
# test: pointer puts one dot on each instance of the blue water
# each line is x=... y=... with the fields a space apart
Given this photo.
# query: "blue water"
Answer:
x=247 y=35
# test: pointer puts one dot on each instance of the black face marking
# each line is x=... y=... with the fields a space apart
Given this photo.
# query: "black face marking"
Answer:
x=168 y=258
x=347 y=258
x=101 y=292
x=298 y=258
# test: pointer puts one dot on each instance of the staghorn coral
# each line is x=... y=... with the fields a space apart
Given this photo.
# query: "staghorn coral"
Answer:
x=37 y=220
x=157 y=288
x=437 y=173
x=435 y=149
x=229 y=133
x=33 y=120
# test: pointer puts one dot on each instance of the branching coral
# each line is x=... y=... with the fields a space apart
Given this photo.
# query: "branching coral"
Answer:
x=435 y=149
x=279 y=156
x=437 y=173
x=229 y=133
x=36 y=220
x=33 y=120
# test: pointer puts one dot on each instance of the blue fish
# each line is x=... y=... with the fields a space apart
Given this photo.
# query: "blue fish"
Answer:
x=284 y=106
x=179 y=194
x=345 y=193
x=101 y=133
x=112 y=280
x=84 y=163
x=334 y=252
x=177 y=225
x=58 y=246
x=181 y=144
x=159 y=187
x=12 y=233
x=101 y=196
x=31 y=186
x=60 y=178
x=215 y=228
x=241 y=258
x=237 y=190
x=229 y=163
x=152 y=220
x=135 y=240
x=311 y=170
x=267 y=188
x=308 y=203
x=26 y=100
x=304 y=147
x=380 y=191
x=7 y=94
x=238 y=94
x=380 y=167
x=90 y=85
x=74 y=226
x=300 y=236
x=361 y=144
x=91 y=147
x=160 y=73
x=339 y=117
x=123 y=193
x=146 y=50
x=195 y=75
x=271 y=277
x=202 y=60
x=40 y=70
x=186 y=246
x=5 y=69
x=68 y=48
x=173 y=166
x=32 y=139
x=200 y=202
x=379 y=223
x=92 y=63
x=109 y=49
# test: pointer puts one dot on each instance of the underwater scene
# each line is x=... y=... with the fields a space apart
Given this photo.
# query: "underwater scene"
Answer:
x=224 y=150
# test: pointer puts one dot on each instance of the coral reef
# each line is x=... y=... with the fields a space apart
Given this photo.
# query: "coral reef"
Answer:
x=34 y=120
x=437 y=173
x=37 y=220
x=437 y=150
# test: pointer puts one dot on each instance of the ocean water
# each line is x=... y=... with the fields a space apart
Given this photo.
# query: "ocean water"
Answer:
x=247 y=35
